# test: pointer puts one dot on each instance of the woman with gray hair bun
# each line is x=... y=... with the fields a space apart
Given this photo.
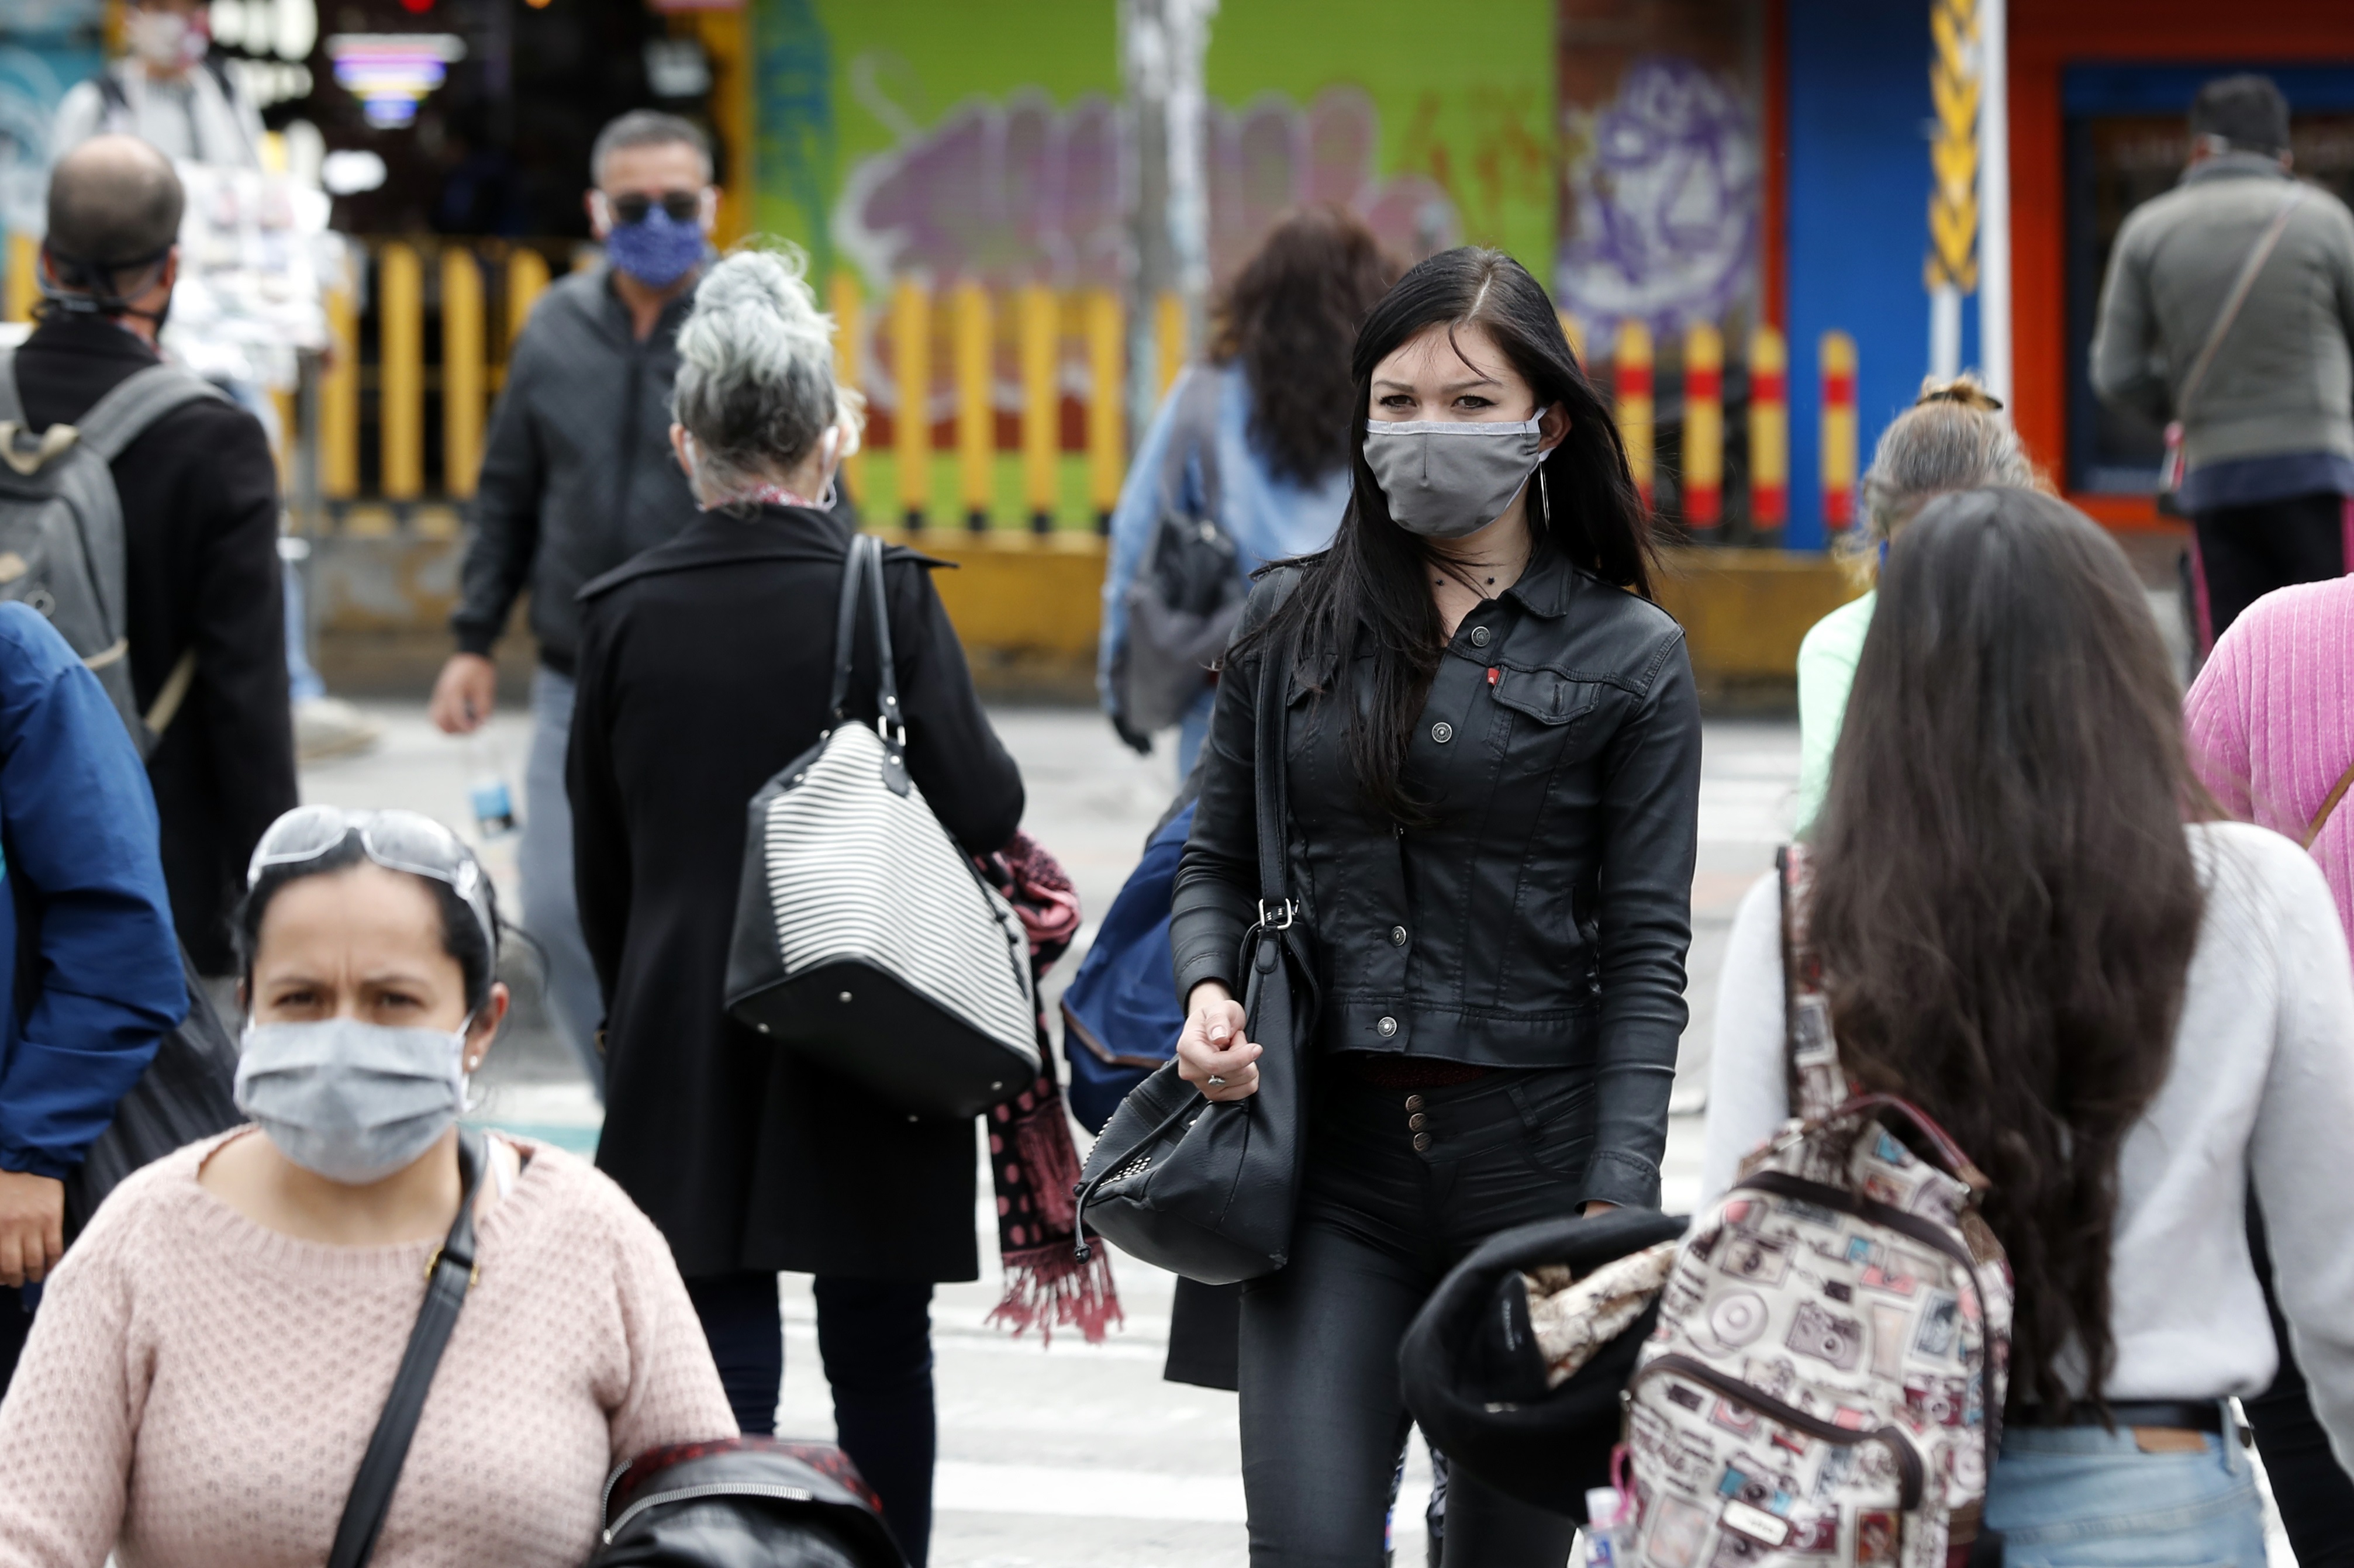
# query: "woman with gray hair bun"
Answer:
x=705 y=666
x=1954 y=437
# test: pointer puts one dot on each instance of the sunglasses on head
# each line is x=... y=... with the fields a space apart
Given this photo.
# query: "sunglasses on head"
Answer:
x=683 y=207
x=395 y=839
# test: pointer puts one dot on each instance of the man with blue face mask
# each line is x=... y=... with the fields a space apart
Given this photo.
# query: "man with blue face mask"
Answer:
x=577 y=478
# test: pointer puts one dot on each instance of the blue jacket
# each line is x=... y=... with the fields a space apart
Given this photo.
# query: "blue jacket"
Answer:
x=87 y=957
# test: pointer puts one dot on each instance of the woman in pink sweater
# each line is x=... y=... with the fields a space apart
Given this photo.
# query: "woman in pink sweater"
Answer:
x=2272 y=722
x=215 y=1351
x=2271 y=725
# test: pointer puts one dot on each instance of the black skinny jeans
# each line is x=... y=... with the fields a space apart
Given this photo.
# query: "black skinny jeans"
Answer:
x=875 y=1338
x=1380 y=1222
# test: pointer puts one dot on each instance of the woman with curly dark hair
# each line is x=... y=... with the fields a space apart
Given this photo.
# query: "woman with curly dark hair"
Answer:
x=1255 y=442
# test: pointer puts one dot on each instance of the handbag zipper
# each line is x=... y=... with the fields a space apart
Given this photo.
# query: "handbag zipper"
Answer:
x=1909 y=1468
x=708 y=1490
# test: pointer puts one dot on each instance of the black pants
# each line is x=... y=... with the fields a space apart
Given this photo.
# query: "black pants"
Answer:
x=1380 y=1224
x=2245 y=552
x=875 y=1338
x=2315 y=1496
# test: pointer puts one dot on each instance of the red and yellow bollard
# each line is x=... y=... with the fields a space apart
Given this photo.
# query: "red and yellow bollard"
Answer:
x=1040 y=323
x=462 y=334
x=911 y=368
x=400 y=371
x=1107 y=432
x=849 y=359
x=1574 y=331
x=976 y=414
x=1703 y=454
x=1769 y=429
x=1631 y=381
x=1836 y=355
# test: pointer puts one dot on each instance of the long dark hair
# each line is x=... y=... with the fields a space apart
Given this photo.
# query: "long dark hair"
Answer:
x=2005 y=904
x=1370 y=593
x=1289 y=317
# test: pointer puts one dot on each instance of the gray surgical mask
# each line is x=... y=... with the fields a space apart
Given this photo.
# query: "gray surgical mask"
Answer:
x=1448 y=478
x=351 y=1101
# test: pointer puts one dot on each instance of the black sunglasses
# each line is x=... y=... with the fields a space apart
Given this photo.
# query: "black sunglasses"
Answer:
x=683 y=207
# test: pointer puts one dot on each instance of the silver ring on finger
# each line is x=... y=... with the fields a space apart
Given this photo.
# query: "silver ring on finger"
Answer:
x=1216 y=1081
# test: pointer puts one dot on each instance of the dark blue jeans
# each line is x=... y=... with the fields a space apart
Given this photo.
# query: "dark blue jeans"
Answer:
x=1380 y=1222
x=875 y=1338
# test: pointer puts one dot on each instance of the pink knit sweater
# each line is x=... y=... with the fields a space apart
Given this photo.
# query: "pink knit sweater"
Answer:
x=2272 y=721
x=197 y=1388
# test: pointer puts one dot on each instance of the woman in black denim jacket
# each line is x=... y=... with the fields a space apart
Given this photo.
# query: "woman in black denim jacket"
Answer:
x=1492 y=747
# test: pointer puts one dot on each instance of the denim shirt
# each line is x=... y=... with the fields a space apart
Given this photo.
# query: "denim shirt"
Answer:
x=1269 y=517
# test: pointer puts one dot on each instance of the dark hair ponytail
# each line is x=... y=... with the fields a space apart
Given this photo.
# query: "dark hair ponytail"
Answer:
x=1370 y=593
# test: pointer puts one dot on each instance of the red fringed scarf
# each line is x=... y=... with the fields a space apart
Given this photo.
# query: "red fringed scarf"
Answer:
x=1032 y=1158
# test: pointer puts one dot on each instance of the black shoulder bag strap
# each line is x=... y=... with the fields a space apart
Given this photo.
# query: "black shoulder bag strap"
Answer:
x=865 y=562
x=845 y=625
x=447 y=1276
x=1275 y=908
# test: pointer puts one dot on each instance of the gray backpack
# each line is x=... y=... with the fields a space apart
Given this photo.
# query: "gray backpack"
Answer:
x=1189 y=590
x=61 y=545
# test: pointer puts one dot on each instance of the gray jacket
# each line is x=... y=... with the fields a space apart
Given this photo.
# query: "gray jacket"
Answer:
x=578 y=475
x=2282 y=382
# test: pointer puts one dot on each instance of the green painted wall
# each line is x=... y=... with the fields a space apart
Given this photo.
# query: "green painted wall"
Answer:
x=1466 y=93
x=1462 y=98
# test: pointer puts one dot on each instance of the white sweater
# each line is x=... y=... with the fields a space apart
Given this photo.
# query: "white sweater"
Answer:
x=2261 y=1082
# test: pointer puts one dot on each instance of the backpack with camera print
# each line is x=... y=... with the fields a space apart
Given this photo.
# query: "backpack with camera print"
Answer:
x=1825 y=1382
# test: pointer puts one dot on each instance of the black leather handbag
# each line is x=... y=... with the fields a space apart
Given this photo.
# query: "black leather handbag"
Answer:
x=1206 y=1189
x=745 y=1503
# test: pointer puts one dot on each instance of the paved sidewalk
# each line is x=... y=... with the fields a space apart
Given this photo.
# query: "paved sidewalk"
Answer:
x=1077 y=1456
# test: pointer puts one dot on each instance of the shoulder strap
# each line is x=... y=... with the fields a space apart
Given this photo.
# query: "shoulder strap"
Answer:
x=845 y=624
x=1817 y=1080
x=1268 y=780
x=114 y=100
x=2328 y=804
x=865 y=562
x=2240 y=287
x=1193 y=434
x=887 y=673
x=119 y=418
x=446 y=1279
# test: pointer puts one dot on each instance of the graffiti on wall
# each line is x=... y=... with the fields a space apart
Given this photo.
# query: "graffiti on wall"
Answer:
x=1017 y=190
x=1662 y=188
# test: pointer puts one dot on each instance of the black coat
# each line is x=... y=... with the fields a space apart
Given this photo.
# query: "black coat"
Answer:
x=704 y=669
x=200 y=534
x=1540 y=917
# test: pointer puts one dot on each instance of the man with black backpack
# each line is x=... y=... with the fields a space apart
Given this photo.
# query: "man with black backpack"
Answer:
x=179 y=528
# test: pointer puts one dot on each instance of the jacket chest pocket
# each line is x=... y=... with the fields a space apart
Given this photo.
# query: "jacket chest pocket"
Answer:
x=1547 y=718
x=1550 y=699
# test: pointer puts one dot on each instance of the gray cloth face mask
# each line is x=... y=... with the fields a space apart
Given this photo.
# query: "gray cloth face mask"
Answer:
x=1449 y=478
x=351 y=1101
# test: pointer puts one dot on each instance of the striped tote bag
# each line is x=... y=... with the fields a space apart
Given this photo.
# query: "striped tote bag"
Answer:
x=865 y=938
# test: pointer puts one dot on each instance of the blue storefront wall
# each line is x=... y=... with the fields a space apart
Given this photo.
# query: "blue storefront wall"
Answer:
x=1857 y=221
